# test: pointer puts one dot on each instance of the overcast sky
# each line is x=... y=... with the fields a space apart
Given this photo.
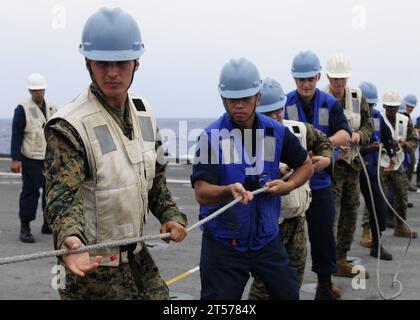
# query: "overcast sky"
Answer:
x=188 y=41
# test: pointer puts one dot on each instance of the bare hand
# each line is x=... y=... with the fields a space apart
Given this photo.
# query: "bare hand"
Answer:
x=80 y=263
x=373 y=147
x=238 y=190
x=281 y=187
x=355 y=138
x=391 y=166
x=178 y=232
x=402 y=143
x=16 y=166
x=320 y=162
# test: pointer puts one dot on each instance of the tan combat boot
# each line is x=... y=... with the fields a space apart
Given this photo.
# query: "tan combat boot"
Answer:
x=401 y=230
x=344 y=269
x=366 y=237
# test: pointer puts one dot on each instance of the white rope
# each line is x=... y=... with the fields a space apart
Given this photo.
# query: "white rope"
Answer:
x=62 y=252
x=395 y=282
x=379 y=244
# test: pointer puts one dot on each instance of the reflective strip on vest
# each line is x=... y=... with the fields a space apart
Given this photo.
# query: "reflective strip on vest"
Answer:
x=323 y=117
x=292 y=112
x=376 y=124
x=105 y=139
x=147 y=129
x=269 y=148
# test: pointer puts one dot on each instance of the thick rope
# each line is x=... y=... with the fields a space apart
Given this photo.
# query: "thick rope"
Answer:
x=62 y=252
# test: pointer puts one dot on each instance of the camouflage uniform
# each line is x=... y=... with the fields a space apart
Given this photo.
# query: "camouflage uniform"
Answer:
x=398 y=179
x=66 y=167
x=293 y=229
x=346 y=187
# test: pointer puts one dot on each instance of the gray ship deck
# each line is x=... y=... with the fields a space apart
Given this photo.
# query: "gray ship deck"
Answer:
x=32 y=280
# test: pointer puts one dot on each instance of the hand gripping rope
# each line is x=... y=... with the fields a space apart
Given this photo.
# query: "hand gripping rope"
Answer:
x=62 y=252
x=395 y=281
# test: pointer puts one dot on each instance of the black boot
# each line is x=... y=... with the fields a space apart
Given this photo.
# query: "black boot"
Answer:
x=46 y=228
x=25 y=233
x=325 y=292
x=384 y=255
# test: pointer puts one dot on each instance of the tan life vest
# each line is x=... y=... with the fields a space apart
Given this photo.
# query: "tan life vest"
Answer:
x=398 y=133
x=115 y=199
x=296 y=202
x=34 y=144
x=352 y=111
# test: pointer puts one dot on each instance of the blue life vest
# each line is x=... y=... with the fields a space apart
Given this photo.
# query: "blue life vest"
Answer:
x=372 y=157
x=256 y=224
x=321 y=111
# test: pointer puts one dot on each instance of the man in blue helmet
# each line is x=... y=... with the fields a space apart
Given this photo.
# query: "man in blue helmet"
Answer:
x=408 y=105
x=324 y=112
x=237 y=154
x=295 y=204
x=104 y=170
x=381 y=134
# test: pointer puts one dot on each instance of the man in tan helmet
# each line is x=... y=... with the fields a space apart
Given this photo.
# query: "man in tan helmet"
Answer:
x=28 y=151
x=348 y=166
x=405 y=139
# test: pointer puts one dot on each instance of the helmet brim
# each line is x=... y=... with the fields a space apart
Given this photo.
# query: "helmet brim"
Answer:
x=120 y=55
x=273 y=106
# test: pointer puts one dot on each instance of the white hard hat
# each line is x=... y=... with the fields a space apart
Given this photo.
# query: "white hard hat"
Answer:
x=391 y=98
x=36 y=82
x=338 y=66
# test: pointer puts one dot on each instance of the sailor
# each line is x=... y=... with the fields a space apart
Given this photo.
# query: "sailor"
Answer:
x=408 y=105
x=239 y=153
x=405 y=139
x=347 y=168
x=381 y=134
x=105 y=170
x=28 y=152
x=311 y=105
x=294 y=205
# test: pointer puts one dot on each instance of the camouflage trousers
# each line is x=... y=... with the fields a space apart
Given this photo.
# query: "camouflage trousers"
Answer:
x=294 y=240
x=109 y=283
x=346 y=189
x=399 y=184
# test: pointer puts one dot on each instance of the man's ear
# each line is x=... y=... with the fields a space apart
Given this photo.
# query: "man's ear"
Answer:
x=87 y=63
x=137 y=65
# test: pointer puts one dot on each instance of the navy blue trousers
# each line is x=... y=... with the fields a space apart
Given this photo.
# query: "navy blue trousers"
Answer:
x=225 y=271
x=320 y=218
x=33 y=180
x=380 y=205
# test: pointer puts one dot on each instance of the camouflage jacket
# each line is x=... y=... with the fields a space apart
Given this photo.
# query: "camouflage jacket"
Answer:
x=66 y=167
x=318 y=143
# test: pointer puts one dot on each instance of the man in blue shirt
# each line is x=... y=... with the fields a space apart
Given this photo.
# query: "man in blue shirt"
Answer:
x=245 y=149
x=28 y=151
x=311 y=105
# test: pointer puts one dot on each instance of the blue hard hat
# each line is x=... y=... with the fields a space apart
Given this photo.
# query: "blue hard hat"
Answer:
x=272 y=96
x=111 y=35
x=369 y=91
x=239 y=79
x=305 y=65
x=410 y=100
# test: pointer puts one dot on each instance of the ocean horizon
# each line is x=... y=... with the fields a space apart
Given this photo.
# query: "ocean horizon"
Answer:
x=179 y=132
